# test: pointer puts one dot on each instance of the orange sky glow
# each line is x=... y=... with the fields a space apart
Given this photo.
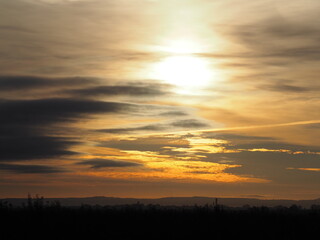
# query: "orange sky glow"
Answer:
x=156 y=98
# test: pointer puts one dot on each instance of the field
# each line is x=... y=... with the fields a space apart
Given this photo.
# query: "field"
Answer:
x=138 y=221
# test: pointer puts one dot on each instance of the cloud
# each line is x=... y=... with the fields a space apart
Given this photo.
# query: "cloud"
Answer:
x=15 y=29
x=23 y=83
x=273 y=166
x=253 y=196
x=33 y=146
x=268 y=160
x=61 y=47
x=243 y=142
x=235 y=137
x=56 y=1
x=190 y=123
x=30 y=169
x=275 y=37
x=275 y=145
x=78 y=87
x=306 y=169
x=173 y=114
x=153 y=143
x=278 y=27
x=139 y=91
x=106 y=163
x=256 y=156
x=187 y=123
x=314 y=126
x=147 y=128
x=46 y=111
x=33 y=124
x=26 y=126
x=279 y=87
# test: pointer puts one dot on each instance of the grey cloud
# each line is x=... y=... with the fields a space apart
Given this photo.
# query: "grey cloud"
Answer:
x=273 y=165
x=277 y=28
x=78 y=87
x=271 y=42
x=266 y=165
x=275 y=145
x=17 y=83
x=84 y=50
x=314 y=126
x=45 y=111
x=304 y=53
x=287 y=88
x=26 y=126
x=33 y=146
x=173 y=114
x=29 y=125
x=200 y=172
x=235 y=137
x=106 y=163
x=15 y=29
x=189 y=123
x=252 y=196
x=151 y=127
x=30 y=169
x=145 y=144
x=280 y=28
x=260 y=164
x=120 y=90
x=277 y=38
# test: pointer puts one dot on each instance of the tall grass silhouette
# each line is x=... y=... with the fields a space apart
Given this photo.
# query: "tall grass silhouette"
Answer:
x=39 y=219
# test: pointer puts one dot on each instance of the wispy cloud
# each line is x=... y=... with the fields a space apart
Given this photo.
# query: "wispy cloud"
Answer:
x=107 y=163
x=30 y=169
x=157 y=127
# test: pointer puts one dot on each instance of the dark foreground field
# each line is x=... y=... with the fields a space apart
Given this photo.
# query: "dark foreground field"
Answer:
x=51 y=221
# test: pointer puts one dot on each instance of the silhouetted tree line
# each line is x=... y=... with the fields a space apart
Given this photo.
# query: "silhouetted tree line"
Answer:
x=40 y=219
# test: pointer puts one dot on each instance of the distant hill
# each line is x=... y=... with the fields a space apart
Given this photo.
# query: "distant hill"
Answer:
x=171 y=201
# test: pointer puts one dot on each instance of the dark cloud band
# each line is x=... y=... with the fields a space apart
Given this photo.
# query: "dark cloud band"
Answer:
x=30 y=169
x=106 y=163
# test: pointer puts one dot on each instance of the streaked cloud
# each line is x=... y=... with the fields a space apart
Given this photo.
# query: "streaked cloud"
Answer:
x=30 y=169
x=306 y=169
x=107 y=163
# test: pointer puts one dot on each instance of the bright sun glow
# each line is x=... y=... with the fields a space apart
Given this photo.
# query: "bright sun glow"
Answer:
x=184 y=71
x=181 y=46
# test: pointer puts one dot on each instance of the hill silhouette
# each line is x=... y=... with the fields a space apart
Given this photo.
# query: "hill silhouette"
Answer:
x=172 y=201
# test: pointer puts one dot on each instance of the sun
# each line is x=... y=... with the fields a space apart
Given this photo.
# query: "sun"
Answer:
x=184 y=71
x=184 y=67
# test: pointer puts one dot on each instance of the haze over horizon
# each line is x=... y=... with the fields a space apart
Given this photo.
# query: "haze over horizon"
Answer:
x=160 y=98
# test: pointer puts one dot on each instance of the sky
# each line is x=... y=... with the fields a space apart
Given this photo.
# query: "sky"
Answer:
x=160 y=98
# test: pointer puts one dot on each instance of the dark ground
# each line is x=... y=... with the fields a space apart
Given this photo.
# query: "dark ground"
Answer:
x=37 y=220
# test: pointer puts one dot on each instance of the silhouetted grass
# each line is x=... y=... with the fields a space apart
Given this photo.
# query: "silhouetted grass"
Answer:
x=37 y=220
